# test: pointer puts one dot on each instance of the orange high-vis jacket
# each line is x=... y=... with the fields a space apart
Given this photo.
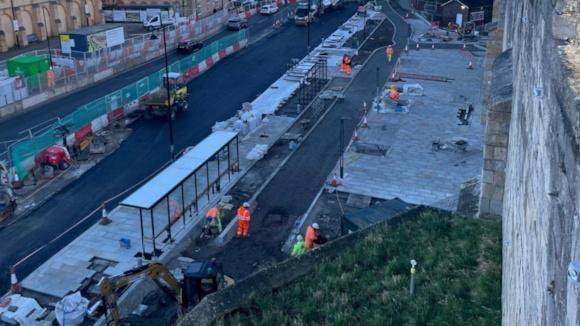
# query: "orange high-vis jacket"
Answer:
x=212 y=212
x=310 y=237
x=243 y=214
x=394 y=95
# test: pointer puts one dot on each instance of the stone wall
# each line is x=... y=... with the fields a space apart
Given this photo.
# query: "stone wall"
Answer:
x=44 y=17
x=541 y=202
x=496 y=136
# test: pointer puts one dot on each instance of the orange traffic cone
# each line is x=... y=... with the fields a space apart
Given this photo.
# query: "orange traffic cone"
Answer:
x=105 y=216
x=365 y=123
x=470 y=65
x=417 y=47
x=14 y=284
x=335 y=181
x=355 y=135
x=16 y=183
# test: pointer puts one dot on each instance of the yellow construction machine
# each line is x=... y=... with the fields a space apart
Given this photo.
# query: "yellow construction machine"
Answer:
x=200 y=278
x=157 y=104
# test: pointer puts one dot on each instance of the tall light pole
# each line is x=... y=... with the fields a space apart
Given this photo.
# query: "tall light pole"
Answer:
x=47 y=38
x=169 y=104
x=15 y=23
x=308 y=27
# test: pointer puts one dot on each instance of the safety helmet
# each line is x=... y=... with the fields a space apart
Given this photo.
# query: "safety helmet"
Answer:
x=299 y=237
x=315 y=226
x=246 y=204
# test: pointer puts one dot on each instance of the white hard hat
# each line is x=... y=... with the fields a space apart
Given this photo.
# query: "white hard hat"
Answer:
x=299 y=237
x=246 y=204
x=316 y=226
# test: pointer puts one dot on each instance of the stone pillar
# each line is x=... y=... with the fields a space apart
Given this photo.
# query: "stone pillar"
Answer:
x=494 y=48
x=496 y=137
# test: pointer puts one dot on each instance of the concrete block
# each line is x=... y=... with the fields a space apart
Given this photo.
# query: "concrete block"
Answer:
x=485 y=205
x=497 y=193
x=500 y=153
x=33 y=100
x=499 y=178
x=487 y=176
x=103 y=74
x=496 y=207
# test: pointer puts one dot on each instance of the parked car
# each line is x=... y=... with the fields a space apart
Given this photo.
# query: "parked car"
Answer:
x=237 y=23
x=189 y=45
x=269 y=9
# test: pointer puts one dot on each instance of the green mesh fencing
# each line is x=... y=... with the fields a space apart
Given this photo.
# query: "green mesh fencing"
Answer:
x=23 y=153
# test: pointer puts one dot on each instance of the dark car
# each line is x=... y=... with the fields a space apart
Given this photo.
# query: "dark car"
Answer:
x=237 y=23
x=189 y=46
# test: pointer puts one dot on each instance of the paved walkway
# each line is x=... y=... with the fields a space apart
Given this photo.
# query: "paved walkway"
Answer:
x=411 y=170
x=295 y=186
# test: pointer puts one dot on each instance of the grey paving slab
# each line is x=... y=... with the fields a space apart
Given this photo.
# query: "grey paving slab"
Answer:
x=64 y=272
x=411 y=170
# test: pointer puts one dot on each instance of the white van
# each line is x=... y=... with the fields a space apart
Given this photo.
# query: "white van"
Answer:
x=269 y=9
x=154 y=22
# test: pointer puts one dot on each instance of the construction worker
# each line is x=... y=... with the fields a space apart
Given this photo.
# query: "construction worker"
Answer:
x=348 y=62
x=299 y=247
x=244 y=220
x=390 y=52
x=345 y=65
x=394 y=94
x=213 y=217
x=311 y=236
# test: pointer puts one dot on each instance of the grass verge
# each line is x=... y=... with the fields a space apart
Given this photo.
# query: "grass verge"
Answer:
x=458 y=280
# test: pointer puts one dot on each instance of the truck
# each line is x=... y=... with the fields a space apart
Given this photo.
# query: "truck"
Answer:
x=303 y=16
x=157 y=103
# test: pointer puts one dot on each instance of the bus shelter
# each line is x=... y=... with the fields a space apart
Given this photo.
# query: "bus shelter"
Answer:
x=170 y=199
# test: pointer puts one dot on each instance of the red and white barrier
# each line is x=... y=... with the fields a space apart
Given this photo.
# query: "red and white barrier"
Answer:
x=121 y=112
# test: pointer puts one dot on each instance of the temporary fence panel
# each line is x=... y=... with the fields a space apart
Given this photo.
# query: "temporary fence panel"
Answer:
x=23 y=153
x=72 y=67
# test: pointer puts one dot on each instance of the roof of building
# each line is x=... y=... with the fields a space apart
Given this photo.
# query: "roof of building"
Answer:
x=450 y=1
x=94 y=29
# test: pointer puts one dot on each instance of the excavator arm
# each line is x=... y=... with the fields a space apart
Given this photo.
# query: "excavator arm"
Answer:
x=157 y=272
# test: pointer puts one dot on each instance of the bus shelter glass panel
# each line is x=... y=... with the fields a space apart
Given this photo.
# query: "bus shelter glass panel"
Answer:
x=202 y=181
x=189 y=192
x=160 y=220
x=177 y=205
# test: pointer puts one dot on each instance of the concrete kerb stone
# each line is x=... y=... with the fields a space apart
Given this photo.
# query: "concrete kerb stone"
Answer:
x=266 y=280
x=228 y=232
x=306 y=217
x=300 y=223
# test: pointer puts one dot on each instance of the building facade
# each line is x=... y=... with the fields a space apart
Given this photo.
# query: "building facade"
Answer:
x=24 y=21
x=199 y=8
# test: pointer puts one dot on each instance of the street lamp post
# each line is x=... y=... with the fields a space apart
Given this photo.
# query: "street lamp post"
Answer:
x=308 y=27
x=47 y=38
x=15 y=23
x=169 y=104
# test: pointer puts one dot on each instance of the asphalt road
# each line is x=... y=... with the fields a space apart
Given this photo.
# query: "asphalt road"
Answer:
x=293 y=189
x=216 y=95
x=16 y=127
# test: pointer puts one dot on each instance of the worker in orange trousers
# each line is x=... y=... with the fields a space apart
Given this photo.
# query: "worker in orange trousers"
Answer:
x=244 y=220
